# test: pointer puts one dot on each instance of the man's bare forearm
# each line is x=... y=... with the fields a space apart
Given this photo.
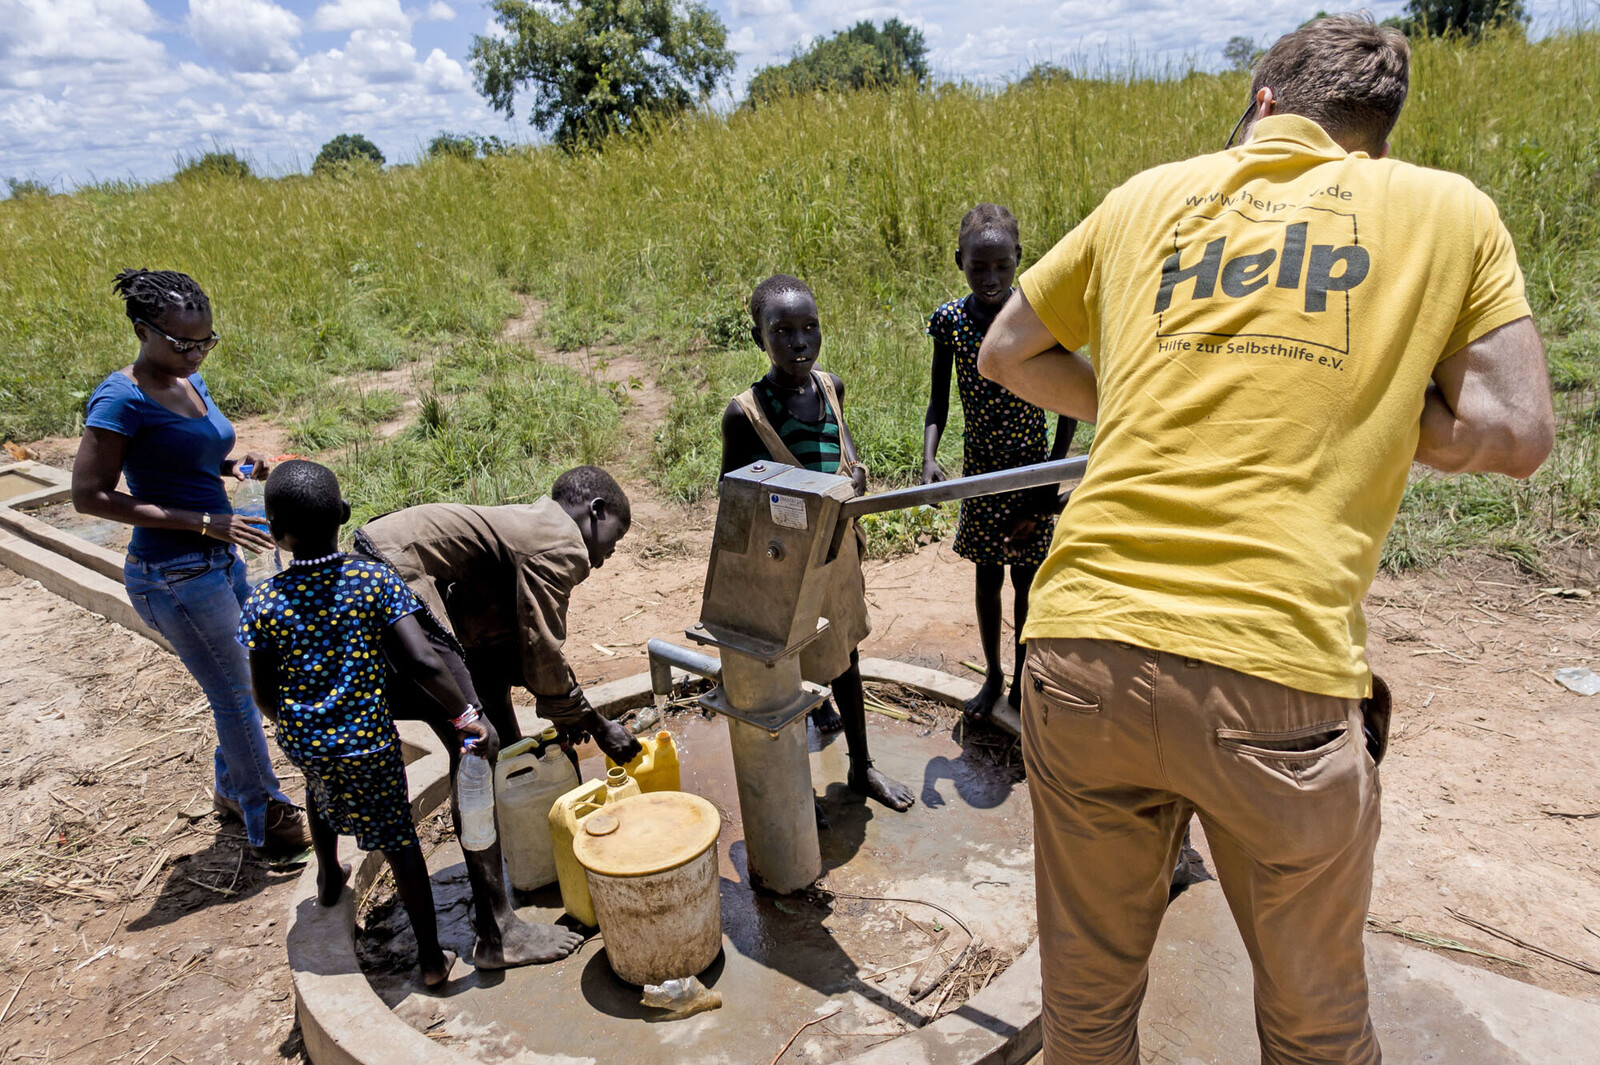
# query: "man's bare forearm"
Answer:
x=1021 y=354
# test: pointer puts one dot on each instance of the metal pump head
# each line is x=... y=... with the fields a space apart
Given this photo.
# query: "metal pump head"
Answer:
x=777 y=533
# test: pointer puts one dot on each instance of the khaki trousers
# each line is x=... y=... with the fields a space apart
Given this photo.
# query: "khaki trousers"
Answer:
x=1122 y=745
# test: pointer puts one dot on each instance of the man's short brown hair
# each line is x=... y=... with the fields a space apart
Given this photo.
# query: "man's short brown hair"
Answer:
x=1344 y=72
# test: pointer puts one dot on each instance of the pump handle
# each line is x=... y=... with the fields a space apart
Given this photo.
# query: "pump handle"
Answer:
x=984 y=484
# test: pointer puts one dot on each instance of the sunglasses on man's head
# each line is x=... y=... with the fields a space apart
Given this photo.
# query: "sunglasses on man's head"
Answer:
x=183 y=347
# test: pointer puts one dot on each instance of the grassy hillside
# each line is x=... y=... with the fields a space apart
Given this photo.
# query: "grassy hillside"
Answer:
x=658 y=240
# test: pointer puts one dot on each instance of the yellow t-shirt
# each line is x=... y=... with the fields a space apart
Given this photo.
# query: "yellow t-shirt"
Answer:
x=1263 y=324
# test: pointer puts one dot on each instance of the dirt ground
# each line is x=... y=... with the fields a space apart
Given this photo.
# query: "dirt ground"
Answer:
x=135 y=928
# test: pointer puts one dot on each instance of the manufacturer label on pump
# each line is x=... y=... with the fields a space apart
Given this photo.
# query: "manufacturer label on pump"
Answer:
x=788 y=511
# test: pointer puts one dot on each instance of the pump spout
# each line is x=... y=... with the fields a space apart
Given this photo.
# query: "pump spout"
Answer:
x=664 y=656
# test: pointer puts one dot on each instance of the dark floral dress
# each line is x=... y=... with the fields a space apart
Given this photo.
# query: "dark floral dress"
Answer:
x=1002 y=432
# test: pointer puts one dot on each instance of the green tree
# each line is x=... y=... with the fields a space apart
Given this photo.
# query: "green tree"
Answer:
x=22 y=188
x=452 y=146
x=1241 y=53
x=597 y=66
x=1044 y=73
x=1466 y=18
x=859 y=57
x=465 y=146
x=216 y=163
x=347 y=149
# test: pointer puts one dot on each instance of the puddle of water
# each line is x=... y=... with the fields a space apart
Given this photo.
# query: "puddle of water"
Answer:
x=13 y=484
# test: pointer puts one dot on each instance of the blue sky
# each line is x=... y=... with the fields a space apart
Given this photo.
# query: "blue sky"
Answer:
x=103 y=89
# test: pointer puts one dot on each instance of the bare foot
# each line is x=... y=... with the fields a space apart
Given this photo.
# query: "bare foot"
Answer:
x=522 y=943
x=826 y=718
x=436 y=971
x=1014 y=696
x=820 y=814
x=330 y=887
x=981 y=705
x=865 y=780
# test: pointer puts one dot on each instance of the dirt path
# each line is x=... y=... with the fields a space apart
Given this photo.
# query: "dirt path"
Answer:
x=135 y=929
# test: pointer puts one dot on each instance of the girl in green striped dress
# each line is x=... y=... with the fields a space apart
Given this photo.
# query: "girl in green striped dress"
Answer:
x=794 y=415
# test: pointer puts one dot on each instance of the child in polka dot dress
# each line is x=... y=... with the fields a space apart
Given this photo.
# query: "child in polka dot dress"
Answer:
x=1002 y=432
x=317 y=635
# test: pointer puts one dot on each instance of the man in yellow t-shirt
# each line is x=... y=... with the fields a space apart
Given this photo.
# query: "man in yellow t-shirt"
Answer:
x=1274 y=333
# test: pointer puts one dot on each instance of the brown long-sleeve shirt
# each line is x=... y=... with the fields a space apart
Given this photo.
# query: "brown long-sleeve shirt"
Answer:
x=497 y=576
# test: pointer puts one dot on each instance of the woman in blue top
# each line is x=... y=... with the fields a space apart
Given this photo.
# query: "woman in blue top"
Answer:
x=154 y=423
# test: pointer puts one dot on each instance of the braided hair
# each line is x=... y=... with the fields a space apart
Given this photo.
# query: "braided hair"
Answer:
x=987 y=216
x=148 y=294
x=776 y=285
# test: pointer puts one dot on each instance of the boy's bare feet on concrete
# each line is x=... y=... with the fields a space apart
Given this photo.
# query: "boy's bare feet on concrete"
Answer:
x=522 y=943
x=865 y=780
x=826 y=717
x=436 y=971
x=331 y=882
x=980 y=706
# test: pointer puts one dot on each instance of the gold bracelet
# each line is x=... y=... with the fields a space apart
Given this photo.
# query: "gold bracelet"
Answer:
x=205 y=524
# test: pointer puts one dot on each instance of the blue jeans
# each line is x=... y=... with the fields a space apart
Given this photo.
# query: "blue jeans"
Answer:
x=193 y=600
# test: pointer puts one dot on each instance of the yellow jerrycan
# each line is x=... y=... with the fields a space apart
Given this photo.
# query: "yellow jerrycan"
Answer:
x=656 y=766
x=566 y=819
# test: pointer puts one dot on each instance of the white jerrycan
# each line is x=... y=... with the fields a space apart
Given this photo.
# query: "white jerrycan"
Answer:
x=530 y=776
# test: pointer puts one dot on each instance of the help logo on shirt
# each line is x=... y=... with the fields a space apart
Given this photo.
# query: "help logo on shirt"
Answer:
x=1280 y=274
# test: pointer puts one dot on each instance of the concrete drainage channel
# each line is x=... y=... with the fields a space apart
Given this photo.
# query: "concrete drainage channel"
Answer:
x=345 y=1021
x=71 y=566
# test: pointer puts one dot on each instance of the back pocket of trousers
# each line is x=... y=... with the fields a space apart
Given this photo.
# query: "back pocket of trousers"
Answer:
x=1301 y=745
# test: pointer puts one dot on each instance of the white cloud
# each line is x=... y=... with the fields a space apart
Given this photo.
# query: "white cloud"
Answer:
x=74 y=30
x=344 y=15
x=251 y=35
x=760 y=8
x=380 y=57
x=438 y=11
x=444 y=73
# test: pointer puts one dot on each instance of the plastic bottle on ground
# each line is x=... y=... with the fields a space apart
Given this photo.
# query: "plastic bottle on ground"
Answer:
x=475 y=793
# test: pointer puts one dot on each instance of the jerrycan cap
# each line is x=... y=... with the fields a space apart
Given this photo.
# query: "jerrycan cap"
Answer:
x=652 y=833
x=600 y=824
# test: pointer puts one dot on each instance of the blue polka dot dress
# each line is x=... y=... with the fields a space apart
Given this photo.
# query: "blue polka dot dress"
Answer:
x=1002 y=432
x=326 y=621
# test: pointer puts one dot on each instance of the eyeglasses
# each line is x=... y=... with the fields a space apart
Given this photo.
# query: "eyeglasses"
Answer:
x=183 y=347
x=1237 y=126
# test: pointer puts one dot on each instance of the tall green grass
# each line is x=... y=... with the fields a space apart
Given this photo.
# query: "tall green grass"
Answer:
x=657 y=240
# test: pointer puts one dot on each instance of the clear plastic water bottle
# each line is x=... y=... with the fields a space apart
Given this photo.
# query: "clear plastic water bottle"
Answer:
x=250 y=503
x=475 y=794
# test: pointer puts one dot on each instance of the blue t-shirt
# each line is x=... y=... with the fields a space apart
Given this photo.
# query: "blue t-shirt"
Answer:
x=172 y=460
x=327 y=623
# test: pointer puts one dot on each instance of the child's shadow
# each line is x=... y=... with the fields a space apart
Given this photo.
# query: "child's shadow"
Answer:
x=223 y=874
x=977 y=780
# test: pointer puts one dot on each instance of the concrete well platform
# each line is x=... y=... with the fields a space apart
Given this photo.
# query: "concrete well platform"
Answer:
x=1427 y=1008
x=965 y=846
